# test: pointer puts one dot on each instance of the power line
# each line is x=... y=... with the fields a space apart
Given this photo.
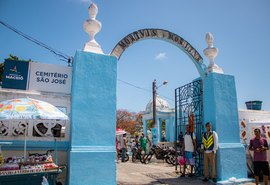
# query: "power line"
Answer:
x=147 y=90
x=166 y=97
x=134 y=85
x=63 y=56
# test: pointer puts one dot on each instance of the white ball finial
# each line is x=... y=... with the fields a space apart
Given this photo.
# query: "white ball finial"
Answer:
x=92 y=27
x=211 y=53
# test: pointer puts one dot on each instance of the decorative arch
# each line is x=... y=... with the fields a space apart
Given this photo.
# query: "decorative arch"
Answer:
x=151 y=33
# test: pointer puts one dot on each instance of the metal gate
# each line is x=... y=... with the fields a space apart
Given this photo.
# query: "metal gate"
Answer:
x=188 y=111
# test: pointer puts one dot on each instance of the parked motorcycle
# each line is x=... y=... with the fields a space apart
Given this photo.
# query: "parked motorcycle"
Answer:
x=137 y=154
x=171 y=156
x=120 y=155
x=158 y=152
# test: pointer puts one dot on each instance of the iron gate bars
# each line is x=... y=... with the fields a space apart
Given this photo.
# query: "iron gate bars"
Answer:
x=188 y=111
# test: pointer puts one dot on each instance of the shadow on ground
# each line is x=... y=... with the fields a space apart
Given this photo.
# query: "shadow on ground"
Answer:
x=169 y=179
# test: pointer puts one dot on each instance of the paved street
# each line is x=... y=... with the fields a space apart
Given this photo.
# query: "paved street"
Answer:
x=154 y=173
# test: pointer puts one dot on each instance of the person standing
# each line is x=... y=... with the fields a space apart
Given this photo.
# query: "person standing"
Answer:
x=123 y=146
x=137 y=141
x=116 y=148
x=210 y=143
x=143 y=143
x=189 y=149
x=259 y=145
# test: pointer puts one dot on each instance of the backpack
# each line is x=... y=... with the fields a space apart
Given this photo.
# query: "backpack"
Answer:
x=191 y=135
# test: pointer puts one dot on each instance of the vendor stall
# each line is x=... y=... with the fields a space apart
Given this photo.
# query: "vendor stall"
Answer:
x=15 y=170
x=33 y=178
x=31 y=168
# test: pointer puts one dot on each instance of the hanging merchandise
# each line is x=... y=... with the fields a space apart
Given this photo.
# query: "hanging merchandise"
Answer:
x=191 y=121
x=1 y=158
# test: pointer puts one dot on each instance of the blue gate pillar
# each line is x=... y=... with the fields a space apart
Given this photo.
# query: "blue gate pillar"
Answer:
x=93 y=120
x=220 y=108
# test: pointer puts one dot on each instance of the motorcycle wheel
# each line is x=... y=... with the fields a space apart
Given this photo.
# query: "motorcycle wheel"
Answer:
x=133 y=158
x=172 y=160
x=141 y=159
x=168 y=161
x=147 y=158
x=126 y=157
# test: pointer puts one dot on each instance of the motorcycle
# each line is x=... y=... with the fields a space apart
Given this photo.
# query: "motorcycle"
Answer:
x=160 y=154
x=171 y=156
x=137 y=154
x=119 y=155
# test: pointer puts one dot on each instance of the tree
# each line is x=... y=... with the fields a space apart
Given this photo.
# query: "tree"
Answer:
x=129 y=121
x=1 y=71
x=150 y=124
x=13 y=57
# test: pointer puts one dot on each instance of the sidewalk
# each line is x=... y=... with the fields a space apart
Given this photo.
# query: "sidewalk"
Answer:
x=155 y=173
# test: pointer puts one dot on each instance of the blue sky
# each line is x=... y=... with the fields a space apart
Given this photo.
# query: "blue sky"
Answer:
x=241 y=30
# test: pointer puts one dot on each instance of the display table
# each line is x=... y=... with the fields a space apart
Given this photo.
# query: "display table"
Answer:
x=28 y=177
x=28 y=171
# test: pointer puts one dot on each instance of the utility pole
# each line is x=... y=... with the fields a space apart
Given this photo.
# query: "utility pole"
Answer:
x=154 y=90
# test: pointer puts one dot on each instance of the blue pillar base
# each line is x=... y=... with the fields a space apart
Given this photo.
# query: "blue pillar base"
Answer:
x=235 y=181
x=92 y=167
x=220 y=108
x=93 y=121
x=231 y=160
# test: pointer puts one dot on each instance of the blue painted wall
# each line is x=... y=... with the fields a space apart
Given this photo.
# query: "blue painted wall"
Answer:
x=220 y=108
x=36 y=145
x=231 y=161
x=169 y=128
x=93 y=120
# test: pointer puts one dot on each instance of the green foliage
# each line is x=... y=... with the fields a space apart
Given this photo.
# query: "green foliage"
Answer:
x=129 y=121
x=13 y=57
x=150 y=124
x=163 y=125
x=1 y=71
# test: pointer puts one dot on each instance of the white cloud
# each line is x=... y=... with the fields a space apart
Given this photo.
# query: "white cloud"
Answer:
x=161 y=56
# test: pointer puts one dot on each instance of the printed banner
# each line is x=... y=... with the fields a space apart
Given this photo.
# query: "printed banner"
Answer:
x=50 y=78
x=15 y=74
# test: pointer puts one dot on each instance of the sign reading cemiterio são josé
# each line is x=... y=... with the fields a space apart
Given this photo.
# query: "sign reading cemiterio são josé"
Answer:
x=15 y=74
x=50 y=78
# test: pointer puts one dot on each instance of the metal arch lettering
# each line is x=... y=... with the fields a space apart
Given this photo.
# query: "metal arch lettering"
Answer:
x=160 y=34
